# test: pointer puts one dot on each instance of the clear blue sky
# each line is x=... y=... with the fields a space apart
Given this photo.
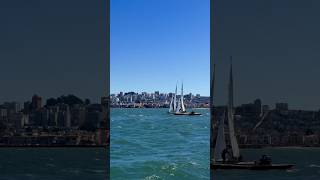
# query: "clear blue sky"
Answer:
x=155 y=43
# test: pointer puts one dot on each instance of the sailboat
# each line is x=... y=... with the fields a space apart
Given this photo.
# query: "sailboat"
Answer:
x=177 y=107
x=181 y=109
x=228 y=156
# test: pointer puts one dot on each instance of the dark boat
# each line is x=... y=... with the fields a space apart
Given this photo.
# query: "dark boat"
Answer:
x=181 y=113
x=187 y=113
x=263 y=164
x=251 y=166
x=192 y=113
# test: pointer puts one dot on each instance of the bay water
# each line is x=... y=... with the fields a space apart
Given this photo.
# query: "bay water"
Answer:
x=153 y=144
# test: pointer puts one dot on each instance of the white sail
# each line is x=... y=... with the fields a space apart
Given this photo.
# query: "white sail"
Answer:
x=179 y=106
x=171 y=105
x=175 y=100
x=233 y=139
x=183 y=109
x=220 y=141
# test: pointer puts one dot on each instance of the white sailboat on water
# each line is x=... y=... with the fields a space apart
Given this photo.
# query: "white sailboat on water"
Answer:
x=177 y=107
x=228 y=157
x=181 y=107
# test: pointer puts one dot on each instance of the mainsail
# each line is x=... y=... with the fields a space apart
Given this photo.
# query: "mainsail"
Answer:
x=171 y=105
x=233 y=139
x=179 y=106
x=183 y=109
x=175 y=100
x=220 y=141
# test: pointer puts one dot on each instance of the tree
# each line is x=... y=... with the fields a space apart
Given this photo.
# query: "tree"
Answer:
x=87 y=101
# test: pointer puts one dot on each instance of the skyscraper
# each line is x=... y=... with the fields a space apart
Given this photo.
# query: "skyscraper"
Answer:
x=36 y=102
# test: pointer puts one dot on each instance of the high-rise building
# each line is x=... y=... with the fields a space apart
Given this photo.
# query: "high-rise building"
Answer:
x=36 y=103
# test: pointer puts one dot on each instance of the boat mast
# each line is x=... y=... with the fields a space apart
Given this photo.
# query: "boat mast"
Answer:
x=233 y=139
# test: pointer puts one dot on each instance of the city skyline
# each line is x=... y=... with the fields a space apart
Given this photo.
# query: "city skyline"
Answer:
x=161 y=92
x=155 y=44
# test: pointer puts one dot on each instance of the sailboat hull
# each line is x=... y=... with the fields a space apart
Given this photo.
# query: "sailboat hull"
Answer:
x=250 y=166
x=187 y=113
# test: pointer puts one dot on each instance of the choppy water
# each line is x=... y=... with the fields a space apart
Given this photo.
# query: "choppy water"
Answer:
x=52 y=163
x=151 y=144
x=307 y=167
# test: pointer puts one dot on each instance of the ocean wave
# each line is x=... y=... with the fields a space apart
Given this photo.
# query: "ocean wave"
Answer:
x=152 y=177
x=194 y=163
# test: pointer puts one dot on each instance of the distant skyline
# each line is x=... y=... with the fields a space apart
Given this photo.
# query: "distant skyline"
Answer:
x=155 y=44
x=52 y=48
x=139 y=92
x=275 y=49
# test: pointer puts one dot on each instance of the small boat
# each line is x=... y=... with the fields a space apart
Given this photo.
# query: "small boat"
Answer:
x=251 y=166
x=177 y=106
x=181 y=113
x=263 y=164
x=181 y=109
x=228 y=157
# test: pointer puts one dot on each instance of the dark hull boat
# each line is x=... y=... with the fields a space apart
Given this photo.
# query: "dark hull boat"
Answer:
x=181 y=113
x=251 y=166
x=187 y=113
x=194 y=114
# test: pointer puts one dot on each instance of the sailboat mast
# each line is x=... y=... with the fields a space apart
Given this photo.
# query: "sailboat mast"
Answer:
x=233 y=139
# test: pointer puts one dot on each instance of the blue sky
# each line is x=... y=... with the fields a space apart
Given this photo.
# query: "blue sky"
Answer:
x=155 y=43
